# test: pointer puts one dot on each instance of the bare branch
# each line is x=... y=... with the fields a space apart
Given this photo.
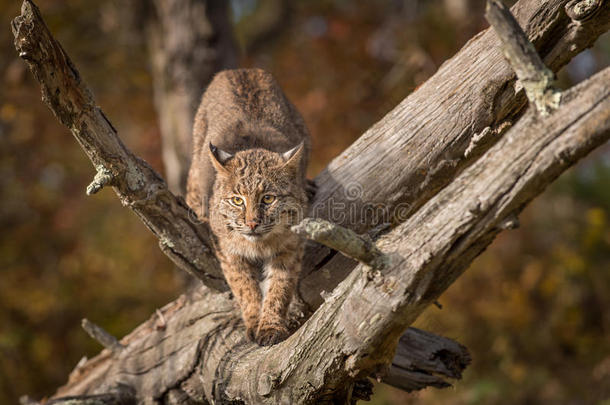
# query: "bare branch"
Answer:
x=342 y=239
x=533 y=75
x=451 y=120
x=410 y=154
x=101 y=336
x=427 y=358
x=182 y=237
x=102 y=178
x=186 y=240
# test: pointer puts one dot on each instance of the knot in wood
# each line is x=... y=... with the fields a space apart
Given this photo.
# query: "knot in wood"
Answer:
x=265 y=385
x=583 y=10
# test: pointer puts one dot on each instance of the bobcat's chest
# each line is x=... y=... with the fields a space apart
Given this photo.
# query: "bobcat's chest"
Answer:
x=253 y=250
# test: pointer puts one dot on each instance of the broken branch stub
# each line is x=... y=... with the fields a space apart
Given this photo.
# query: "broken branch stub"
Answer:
x=532 y=73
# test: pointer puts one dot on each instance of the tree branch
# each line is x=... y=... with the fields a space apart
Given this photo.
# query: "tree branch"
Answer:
x=533 y=75
x=101 y=399
x=435 y=358
x=198 y=324
x=101 y=336
x=342 y=239
x=436 y=132
x=435 y=155
x=184 y=239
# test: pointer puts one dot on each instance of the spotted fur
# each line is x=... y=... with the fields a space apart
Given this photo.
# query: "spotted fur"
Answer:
x=252 y=144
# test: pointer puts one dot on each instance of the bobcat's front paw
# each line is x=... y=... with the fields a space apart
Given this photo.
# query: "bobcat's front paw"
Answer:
x=268 y=335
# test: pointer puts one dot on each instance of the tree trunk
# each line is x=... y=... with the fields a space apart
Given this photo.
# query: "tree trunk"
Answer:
x=442 y=173
x=189 y=41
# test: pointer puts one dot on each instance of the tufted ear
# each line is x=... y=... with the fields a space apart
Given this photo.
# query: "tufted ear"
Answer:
x=292 y=158
x=219 y=158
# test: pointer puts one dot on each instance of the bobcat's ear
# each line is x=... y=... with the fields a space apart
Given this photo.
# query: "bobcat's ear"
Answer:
x=219 y=158
x=292 y=158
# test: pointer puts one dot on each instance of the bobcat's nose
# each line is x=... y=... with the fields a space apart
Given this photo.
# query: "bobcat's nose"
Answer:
x=252 y=224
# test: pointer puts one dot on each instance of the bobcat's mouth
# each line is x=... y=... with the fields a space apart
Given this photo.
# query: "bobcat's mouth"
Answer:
x=253 y=236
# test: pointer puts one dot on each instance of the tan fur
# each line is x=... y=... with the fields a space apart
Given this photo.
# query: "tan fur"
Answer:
x=247 y=117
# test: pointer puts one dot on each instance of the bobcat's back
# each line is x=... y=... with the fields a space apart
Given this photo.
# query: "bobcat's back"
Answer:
x=241 y=109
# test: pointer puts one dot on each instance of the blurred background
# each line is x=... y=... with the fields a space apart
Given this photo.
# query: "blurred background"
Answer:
x=533 y=309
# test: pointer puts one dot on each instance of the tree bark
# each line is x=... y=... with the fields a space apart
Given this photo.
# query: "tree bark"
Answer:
x=430 y=139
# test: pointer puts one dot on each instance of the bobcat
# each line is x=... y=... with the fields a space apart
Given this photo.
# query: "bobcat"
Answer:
x=247 y=179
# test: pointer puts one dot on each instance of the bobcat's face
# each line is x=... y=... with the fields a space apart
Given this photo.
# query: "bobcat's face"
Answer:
x=257 y=192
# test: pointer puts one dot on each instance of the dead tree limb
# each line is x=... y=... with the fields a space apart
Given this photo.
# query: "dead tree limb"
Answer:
x=164 y=362
x=136 y=184
x=101 y=336
x=428 y=140
x=343 y=240
x=437 y=131
x=533 y=75
x=356 y=329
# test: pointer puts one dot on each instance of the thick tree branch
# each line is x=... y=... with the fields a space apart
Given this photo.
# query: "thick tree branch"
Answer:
x=435 y=140
x=437 y=131
x=448 y=358
x=101 y=399
x=163 y=362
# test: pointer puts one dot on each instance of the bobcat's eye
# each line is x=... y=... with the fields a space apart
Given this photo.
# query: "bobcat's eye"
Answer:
x=237 y=200
x=268 y=198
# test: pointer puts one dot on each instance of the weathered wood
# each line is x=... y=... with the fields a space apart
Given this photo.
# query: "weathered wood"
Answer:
x=397 y=165
x=434 y=358
x=162 y=356
x=346 y=241
x=533 y=75
x=402 y=162
x=101 y=336
x=136 y=184
x=101 y=399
